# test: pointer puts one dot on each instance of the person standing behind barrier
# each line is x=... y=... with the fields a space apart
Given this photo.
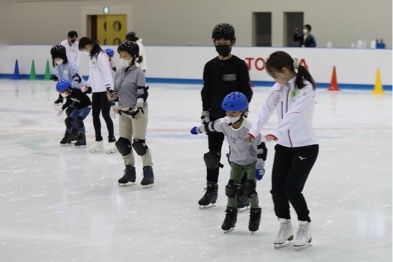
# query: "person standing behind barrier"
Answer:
x=101 y=81
x=71 y=46
x=131 y=92
x=221 y=75
x=141 y=61
x=306 y=39
x=293 y=97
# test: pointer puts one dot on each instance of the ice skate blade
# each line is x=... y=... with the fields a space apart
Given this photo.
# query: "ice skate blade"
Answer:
x=65 y=145
x=301 y=247
x=80 y=146
x=229 y=230
x=111 y=151
x=284 y=245
x=241 y=209
x=147 y=186
x=207 y=206
x=127 y=183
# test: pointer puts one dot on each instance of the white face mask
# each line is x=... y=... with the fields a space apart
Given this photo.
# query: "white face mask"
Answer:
x=64 y=94
x=305 y=31
x=125 y=63
x=231 y=120
x=59 y=61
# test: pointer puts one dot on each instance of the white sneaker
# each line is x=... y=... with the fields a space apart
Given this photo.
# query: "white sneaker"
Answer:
x=303 y=234
x=111 y=148
x=285 y=234
x=96 y=147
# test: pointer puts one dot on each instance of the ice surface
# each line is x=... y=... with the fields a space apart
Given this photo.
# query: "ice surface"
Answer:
x=64 y=203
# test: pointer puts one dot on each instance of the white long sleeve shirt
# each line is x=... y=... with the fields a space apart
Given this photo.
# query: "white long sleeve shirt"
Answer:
x=100 y=73
x=72 y=51
x=142 y=53
x=295 y=109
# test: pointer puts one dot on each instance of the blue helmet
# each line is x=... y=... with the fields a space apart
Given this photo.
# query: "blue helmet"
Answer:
x=109 y=52
x=235 y=101
x=62 y=85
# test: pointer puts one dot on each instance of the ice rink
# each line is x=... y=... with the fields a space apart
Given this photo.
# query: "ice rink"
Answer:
x=64 y=203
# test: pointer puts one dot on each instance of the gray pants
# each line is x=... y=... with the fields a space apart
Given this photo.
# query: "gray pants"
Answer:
x=135 y=128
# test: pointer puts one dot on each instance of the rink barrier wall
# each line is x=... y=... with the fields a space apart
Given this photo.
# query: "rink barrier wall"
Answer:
x=184 y=64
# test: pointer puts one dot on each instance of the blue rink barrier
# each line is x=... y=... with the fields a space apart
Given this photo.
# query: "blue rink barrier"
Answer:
x=181 y=81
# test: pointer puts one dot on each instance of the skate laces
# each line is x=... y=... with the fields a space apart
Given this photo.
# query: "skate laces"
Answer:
x=301 y=232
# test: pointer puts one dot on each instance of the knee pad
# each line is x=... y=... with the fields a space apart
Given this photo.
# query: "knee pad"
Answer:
x=231 y=188
x=68 y=122
x=139 y=146
x=212 y=160
x=249 y=188
x=123 y=145
x=79 y=122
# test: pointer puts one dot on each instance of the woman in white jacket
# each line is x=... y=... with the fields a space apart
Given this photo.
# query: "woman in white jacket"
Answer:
x=100 y=81
x=297 y=148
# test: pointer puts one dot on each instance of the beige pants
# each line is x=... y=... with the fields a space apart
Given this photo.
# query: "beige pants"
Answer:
x=135 y=128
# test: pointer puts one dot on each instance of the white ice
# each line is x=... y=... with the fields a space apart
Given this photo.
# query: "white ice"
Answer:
x=64 y=203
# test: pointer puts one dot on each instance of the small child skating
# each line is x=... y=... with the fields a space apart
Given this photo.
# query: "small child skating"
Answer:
x=244 y=157
x=82 y=106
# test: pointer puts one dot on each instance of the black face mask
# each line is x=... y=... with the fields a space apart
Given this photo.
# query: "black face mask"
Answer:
x=223 y=50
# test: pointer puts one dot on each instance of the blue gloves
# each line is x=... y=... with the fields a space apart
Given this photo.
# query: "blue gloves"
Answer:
x=260 y=169
x=195 y=130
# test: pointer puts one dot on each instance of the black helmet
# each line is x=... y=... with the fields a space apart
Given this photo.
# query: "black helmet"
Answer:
x=225 y=31
x=130 y=47
x=131 y=36
x=58 y=51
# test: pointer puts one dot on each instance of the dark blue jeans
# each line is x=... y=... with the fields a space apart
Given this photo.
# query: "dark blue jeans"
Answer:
x=82 y=114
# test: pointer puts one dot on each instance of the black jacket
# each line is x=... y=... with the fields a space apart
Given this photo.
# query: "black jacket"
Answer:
x=80 y=99
x=309 y=42
x=220 y=77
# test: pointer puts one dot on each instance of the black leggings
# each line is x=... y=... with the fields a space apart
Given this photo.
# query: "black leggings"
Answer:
x=100 y=103
x=291 y=168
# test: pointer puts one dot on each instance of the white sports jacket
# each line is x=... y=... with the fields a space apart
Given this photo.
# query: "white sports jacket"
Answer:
x=100 y=74
x=295 y=108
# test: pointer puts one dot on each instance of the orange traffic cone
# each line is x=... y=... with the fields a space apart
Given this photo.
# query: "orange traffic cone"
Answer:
x=333 y=83
x=378 y=89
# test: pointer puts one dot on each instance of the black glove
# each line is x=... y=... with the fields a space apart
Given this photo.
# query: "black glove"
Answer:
x=53 y=77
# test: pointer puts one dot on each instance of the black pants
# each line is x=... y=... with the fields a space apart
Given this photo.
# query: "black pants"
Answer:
x=291 y=168
x=100 y=104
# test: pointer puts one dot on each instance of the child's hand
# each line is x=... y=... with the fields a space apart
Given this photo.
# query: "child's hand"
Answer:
x=195 y=130
x=248 y=138
x=60 y=112
x=84 y=89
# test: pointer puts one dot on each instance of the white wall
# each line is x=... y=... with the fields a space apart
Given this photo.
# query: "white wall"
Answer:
x=353 y=66
x=182 y=22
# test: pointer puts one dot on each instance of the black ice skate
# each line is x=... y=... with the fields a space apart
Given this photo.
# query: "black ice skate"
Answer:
x=210 y=196
x=74 y=134
x=66 y=139
x=81 y=141
x=230 y=219
x=255 y=219
x=148 y=176
x=129 y=175
x=242 y=200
